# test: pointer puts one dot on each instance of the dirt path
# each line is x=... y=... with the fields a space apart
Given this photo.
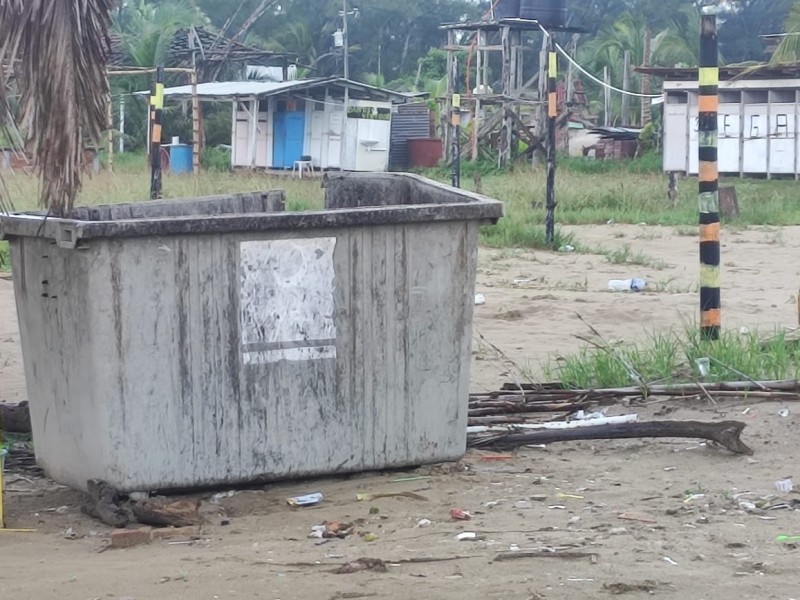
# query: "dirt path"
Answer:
x=692 y=539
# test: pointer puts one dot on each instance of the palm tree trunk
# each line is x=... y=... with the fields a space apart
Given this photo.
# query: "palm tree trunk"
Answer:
x=647 y=114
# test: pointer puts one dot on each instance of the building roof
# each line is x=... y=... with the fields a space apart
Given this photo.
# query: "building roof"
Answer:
x=231 y=90
x=727 y=73
x=209 y=46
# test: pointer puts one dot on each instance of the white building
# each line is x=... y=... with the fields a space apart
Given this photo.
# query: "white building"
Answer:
x=759 y=113
x=275 y=124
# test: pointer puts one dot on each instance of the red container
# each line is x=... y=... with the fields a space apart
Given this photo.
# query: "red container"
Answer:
x=424 y=152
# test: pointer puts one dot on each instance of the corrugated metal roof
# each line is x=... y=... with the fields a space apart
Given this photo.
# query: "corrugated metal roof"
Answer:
x=233 y=89
x=229 y=90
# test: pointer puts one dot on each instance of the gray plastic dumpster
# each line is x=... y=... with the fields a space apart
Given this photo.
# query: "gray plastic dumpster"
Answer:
x=213 y=341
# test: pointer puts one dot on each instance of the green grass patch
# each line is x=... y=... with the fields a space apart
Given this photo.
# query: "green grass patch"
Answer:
x=5 y=257
x=591 y=192
x=130 y=182
x=672 y=358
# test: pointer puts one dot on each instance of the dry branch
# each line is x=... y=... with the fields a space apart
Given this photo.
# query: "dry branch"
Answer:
x=726 y=434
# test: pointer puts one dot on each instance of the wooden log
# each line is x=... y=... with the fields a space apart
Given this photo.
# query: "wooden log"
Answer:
x=679 y=389
x=726 y=434
x=511 y=408
x=175 y=514
x=15 y=418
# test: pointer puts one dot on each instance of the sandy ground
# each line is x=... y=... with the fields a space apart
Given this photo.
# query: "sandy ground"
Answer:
x=689 y=540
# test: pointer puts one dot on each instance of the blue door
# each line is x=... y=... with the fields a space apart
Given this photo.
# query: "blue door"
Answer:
x=289 y=129
x=279 y=137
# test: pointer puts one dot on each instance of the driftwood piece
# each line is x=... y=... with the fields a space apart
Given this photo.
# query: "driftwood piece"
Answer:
x=552 y=393
x=176 y=514
x=104 y=504
x=726 y=434
x=516 y=555
x=15 y=418
x=728 y=202
x=510 y=407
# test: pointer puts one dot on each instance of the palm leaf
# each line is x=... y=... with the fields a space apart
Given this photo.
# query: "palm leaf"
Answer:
x=56 y=51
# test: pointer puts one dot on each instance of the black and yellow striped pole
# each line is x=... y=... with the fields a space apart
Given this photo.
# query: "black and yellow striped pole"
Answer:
x=552 y=114
x=455 y=122
x=710 y=297
x=156 y=114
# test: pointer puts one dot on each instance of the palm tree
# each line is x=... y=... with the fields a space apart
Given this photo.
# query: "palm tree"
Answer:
x=627 y=34
x=56 y=52
x=147 y=29
x=789 y=49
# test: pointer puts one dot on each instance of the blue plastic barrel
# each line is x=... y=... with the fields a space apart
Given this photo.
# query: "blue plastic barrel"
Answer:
x=180 y=158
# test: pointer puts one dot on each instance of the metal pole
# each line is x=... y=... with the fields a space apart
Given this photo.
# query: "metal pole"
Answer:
x=110 y=124
x=156 y=110
x=708 y=75
x=346 y=41
x=552 y=114
x=345 y=32
x=122 y=125
x=456 y=123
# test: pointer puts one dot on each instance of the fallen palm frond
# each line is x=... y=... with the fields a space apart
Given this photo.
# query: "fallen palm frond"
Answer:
x=56 y=52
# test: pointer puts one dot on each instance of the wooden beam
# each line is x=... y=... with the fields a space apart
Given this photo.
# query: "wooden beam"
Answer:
x=479 y=48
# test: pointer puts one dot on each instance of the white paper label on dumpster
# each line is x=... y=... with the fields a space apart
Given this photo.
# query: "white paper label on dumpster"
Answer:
x=287 y=304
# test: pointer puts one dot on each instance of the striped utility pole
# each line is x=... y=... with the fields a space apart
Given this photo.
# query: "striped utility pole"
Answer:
x=710 y=301
x=552 y=114
x=156 y=110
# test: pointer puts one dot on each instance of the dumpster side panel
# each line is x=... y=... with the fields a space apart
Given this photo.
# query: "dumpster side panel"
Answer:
x=177 y=418
x=56 y=316
x=407 y=336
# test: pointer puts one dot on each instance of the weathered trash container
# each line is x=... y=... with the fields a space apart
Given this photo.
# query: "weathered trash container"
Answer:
x=185 y=344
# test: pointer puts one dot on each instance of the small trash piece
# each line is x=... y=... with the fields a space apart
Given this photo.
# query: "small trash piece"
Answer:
x=216 y=498
x=567 y=248
x=370 y=537
x=626 y=516
x=784 y=485
x=371 y=497
x=627 y=285
x=523 y=505
x=750 y=507
x=459 y=515
x=70 y=534
x=424 y=523
x=667 y=559
x=480 y=299
x=417 y=478
x=788 y=539
x=704 y=366
x=572 y=496
x=784 y=412
x=363 y=564
x=467 y=536
x=496 y=457
x=308 y=500
x=329 y=530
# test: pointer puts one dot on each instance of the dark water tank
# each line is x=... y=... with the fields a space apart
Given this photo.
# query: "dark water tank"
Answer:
x=549 y=13
x=506 y=9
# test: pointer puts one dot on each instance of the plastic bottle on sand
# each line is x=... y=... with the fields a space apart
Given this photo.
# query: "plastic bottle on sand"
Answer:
x=627 y=285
